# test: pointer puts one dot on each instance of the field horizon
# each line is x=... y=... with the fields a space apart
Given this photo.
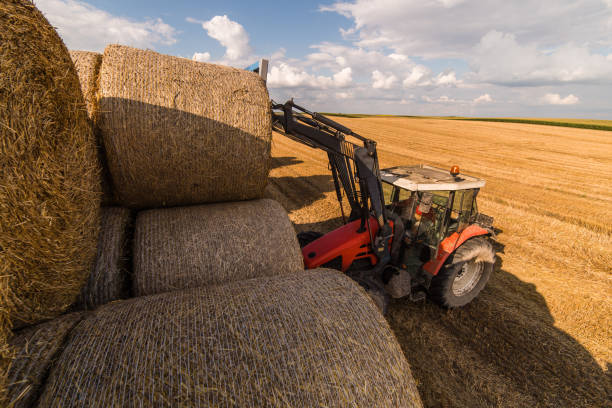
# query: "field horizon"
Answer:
x=592 y=124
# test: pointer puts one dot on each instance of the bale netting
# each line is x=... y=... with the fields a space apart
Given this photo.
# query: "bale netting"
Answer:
x=109 y=278
x=36 y=347
x=186 y=247
x=87 y=65
x=180 y=132
x=310 y=339
x=50 y=177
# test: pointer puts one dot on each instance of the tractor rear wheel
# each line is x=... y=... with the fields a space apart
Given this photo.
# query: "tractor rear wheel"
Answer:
x=306 y=237
x=464 y=274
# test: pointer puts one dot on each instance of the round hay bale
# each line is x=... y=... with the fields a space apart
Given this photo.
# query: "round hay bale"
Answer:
x=180 y=132
x=36 y=347
x=186 y=247
x=310 y=339
x=108 y=280
x=87 y=65
x=50 y=181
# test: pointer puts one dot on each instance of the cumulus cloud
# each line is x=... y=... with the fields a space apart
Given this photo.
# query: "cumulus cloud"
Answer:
x=230 y=35
x=560 y=42
x=284 y=75
x=483 y=99
x=447 y=78
x=450 y=28
x=382 y=81
x=499 y=58
x=201 y=56
x=555 y=99
x=441 y=99
x=85 y=27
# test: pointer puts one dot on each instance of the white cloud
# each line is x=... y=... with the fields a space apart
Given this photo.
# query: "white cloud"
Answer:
x=555 y=99
x=382 y=81
x=450 y=3
x=450 y=28
x=441 y=99
x=201 y=56
x=230 y=34
x=446 y=79
x=284 y=75
x=85 y=27
x=483 y=99
x=499 y=58
x=343 y=78
x=419 y=76
x=402 y=57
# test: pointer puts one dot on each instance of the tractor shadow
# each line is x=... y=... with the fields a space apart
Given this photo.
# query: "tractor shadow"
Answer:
x=296 y=193
x=502 y=349
x=283 y=161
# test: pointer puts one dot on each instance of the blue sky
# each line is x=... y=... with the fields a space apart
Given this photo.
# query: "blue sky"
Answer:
x=551 y=58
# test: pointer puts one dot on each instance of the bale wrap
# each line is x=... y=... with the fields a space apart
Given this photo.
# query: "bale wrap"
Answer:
x=309 y=339
x=186 y=247
x=108 y=280
x=36 y=348
x=49 y=177
x=180 y=132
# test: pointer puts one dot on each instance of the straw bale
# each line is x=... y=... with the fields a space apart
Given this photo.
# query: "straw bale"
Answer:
x=185 y=247
x=87 y=65
x=49 y=177
x=36 y=347
x=108 y=280
x=308 y=339
x=181 y=132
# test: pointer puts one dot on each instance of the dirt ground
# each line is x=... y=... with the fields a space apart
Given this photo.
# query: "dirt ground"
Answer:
x=540 y=334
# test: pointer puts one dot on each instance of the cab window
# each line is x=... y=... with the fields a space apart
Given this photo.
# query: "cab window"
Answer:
x=387 y=192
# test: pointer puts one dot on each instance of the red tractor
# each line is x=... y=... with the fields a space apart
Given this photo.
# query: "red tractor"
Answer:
x=413 y=231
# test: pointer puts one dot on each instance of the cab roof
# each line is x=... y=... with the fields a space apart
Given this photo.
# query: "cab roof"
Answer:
x=427 y=178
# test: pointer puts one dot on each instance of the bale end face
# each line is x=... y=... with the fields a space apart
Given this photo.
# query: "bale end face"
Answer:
x=49 y=183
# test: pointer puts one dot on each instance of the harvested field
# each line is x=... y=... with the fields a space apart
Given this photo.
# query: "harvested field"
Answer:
x=539 y=334
x=309 y=339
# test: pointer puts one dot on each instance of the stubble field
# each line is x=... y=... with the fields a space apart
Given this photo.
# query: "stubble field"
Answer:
x=540 y=334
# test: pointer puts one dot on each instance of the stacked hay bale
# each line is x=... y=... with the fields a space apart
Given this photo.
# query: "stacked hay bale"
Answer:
x=49 y=183
x=180 y=132
x=308 y=339
x=87 y=65
x=37 y=348
x=108 y=280
x=181 y=248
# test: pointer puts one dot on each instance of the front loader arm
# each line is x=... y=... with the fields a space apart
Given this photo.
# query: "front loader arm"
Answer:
x=354 y=167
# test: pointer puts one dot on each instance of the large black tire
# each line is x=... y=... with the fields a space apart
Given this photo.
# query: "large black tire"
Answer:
x=306 y=237
x=464 y=275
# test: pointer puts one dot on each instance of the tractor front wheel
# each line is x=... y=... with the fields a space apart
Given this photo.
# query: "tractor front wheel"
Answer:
x=464 y=274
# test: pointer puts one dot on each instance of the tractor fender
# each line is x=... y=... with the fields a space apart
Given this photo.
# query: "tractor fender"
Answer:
x=449 y=244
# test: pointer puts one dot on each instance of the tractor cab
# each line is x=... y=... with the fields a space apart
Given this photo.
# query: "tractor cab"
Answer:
x=433 y=203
